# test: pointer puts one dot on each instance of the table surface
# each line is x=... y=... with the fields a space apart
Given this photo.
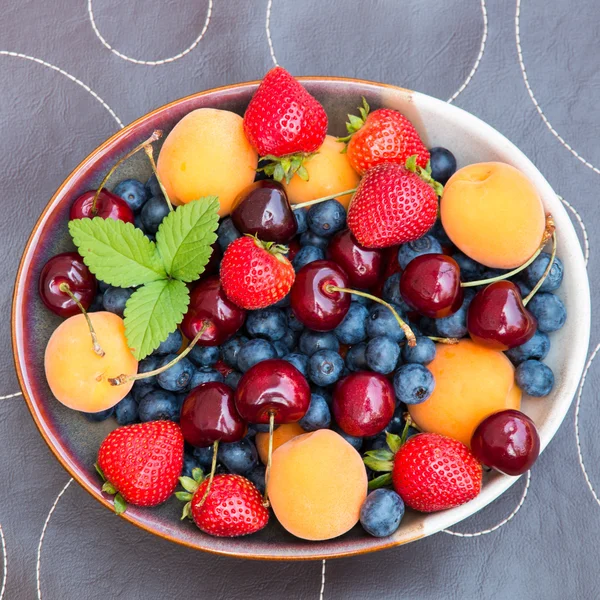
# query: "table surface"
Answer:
x=74 y=71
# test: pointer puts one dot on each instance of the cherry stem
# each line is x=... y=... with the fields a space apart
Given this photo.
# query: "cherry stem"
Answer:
x=318 y=200
x=410 y=423
x=441 y=340
x=150 y=153
x=545 y=274
x=266 y=502
x=213 y=468
x=121 y=379
x=156 y=135
x=410 y=336
x=64 y=287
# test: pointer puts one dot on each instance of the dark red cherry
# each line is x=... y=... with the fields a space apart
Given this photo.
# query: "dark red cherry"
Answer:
x=293 y=249
x=212 y=267
x=363 y=266
x=209 y=305
x=497 y=318
x=363 y=403
x=272 y=387
x=263 y=209
x=108 y=206
x=507 y=441
x=314 y=305
x=431 y=285
x=209 y=415
x=66 y=268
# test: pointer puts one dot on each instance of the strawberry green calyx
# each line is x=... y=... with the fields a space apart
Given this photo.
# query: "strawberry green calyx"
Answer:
x=285 y=167
x=424 y=174
x=108 y=488
x=277 y=250
x=354 y=123
x=190 y=485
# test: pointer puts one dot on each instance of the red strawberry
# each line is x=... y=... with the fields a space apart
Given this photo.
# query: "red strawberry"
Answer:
x=392 y=205
x=384 y=135
x=256 y=274
x=233 y=506
x=141 y=463
x=284 y=119
x=433 y=472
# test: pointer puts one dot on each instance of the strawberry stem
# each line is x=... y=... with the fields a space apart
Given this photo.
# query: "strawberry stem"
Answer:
x=545 y=274
x=318 y=200
x=266 y=503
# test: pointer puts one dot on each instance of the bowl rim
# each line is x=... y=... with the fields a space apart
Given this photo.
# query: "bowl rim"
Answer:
x=437 y=521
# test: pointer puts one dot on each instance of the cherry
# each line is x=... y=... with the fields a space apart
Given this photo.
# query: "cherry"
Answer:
x=293 y=249
x=507 y=441
x=209 y=415
x=263 y=209
x=212 y=266
x=362 y=265
x=108 y=206
x=431 y=285
x=67 y=269
x=363 y=403
x=497 y=318
x=210 y=308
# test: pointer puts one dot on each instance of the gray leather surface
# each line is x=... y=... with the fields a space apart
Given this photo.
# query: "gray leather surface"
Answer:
x=49 y=122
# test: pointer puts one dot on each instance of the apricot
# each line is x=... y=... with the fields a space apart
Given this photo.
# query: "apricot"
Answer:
x=317 y=486
x=471 y=383
x=494 y=214
x=206 y=154
x=281 y=435
x=77 y=376
x=329 y=172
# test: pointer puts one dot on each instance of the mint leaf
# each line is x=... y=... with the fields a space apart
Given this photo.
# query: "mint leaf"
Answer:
x=185 y=237
x=152 y=313
x=117 y=252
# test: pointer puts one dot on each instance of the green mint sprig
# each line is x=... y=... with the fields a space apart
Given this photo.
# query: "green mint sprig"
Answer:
x=121 y=255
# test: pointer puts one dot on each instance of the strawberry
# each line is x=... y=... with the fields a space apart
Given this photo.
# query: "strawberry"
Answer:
x=141 y=463
x=256 y=274
x=232 y=507
x=393 y=204
x=284 y=120
x=385 y=135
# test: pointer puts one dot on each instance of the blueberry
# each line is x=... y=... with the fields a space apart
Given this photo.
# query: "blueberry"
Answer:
x=177 y=378
x=171 y=344
x=491 y=273
x=300 y=361
x=424 y=245
x=469 y=269
x=326 y=218
x=227 y=233
x=313 y=341
x=306 y=255
x=126 y=411
x=137 y=222
x=102 y=286
x=152 y=186
x=253 y=352
x=290 y=338
x=439 y=233
x=318 y=415
x=150 y=363
x=114 y=299
x=309 y=238
x=537 y=347
x=355 y=442
x=153 y=212
x=99 y=416
x=423 y=353
x=381 y=321
x=361 y=299
x=455 y=326
x=159 y=405
x=204 y=456
x=391 y=292
x=133 y=192
x=268 y=323
x=379 y=442
x=356 y=358
x=301 y=221
x=292 y=320
x=232 y=379
x=535 y=378
x=325 y=367
x=97 y=303
x=257 y=477
x=321 y=391
x=413 y=383
x=533 y=273
x=280 y=348
x=204 y=375
x=353 y=328
x=396 y=425
x=549 y=311
x=230 y=350
x=523 y=288
x=381 y=512
x=204 y=356
x=443 y=164
x=190 y=462
x=238 y=457
x=382 y=354
x=141 y=388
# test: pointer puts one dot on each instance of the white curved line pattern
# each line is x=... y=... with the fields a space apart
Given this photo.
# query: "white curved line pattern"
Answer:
x=11 y=396
x=535 y=102
x=322 y=592
x=451 y=99
x=503 y=522
x=4 y=564
x=149 y=63
x=39 y=550
x=586 y=241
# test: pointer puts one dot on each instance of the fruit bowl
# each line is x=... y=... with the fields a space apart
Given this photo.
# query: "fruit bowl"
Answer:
x=75 y=441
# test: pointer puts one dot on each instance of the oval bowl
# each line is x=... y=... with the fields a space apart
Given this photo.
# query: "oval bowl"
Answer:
x=75 y=441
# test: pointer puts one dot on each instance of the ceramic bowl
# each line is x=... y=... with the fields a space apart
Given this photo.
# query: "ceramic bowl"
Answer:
x=75 y=441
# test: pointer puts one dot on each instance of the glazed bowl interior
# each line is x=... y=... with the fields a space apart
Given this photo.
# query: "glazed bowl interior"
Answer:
x=75 y=441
